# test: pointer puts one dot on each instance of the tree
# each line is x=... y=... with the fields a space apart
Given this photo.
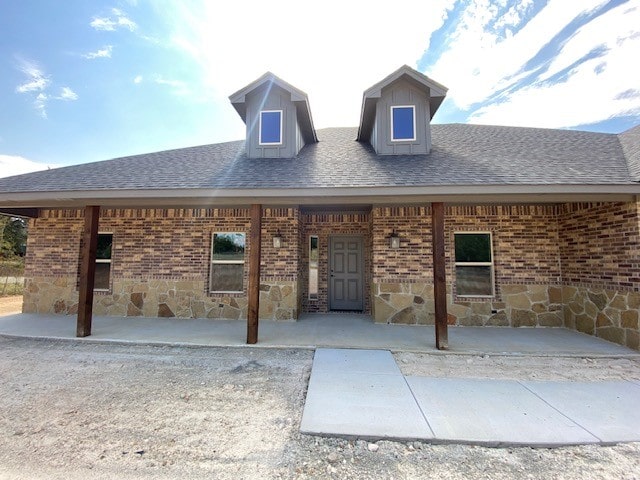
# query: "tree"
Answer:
x=13 y=238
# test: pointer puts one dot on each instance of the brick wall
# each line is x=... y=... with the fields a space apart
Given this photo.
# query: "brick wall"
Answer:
x=161 y=243
x=526 y=264
x=410 y=262
x=53 y=246
x=159 y=254
x=599 y=245
x=525 y=242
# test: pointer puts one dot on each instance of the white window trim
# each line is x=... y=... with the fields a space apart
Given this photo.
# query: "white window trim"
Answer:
x=260 y=142
x=225 y=262
x=476 y=264
x=413 y=109
x=106 y=260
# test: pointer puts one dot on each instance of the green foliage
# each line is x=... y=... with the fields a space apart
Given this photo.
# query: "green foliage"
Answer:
x=13 y=237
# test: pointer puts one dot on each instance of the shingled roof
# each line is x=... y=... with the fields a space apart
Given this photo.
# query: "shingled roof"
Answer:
x=465 y=160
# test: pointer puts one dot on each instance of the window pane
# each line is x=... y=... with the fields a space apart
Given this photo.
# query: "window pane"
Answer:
x=313 y=267
x=270 y=127
x=105 y=241
x=228 y=246
x=473 y=247
x=403 y=128
x=226 y=277
x=101 y=278
x=473 y=281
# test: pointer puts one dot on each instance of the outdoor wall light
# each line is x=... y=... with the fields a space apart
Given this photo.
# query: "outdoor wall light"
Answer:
x=394 y=240
x=277 y=240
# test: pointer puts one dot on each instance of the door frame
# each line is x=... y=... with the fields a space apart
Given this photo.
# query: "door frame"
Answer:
x=361 y=267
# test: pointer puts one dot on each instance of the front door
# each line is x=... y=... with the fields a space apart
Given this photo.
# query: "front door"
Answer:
x=345 y=273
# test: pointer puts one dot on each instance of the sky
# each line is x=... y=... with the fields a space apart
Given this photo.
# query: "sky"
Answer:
x=83 y=81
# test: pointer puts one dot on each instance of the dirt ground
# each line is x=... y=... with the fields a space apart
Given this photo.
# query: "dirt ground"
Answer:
x=77 y=410
x=9 y=305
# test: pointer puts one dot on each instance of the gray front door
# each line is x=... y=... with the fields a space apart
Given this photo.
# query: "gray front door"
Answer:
x=345 y=273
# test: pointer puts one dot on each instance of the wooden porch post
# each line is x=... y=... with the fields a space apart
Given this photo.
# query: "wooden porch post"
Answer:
x=439 y=275
x=254 y=274
x=87 y=270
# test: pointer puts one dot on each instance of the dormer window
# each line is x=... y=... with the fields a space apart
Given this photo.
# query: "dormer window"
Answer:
x=270 y=127
x=403 y=123
x=277 y=118
x=396 y=113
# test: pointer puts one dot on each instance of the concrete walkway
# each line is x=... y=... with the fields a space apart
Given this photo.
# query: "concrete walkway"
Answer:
x=363 y=394
x=319 y=330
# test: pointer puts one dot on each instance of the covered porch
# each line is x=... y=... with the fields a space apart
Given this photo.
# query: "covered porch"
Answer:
x=333 y=330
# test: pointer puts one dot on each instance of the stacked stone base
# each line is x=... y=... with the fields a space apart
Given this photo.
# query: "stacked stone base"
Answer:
x=160 y=298
x=612 y=315
x=520 y=306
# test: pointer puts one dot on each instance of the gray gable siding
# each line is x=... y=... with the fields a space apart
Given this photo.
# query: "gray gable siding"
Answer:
x=272 y=97
x=399 y=93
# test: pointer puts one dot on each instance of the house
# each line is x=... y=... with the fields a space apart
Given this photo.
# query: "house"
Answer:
x=407 y=221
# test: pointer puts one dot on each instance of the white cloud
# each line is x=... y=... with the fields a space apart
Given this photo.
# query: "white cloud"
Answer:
x=38 y=84
x=14 y=165
x=36 y=79
x=67 y=94
x=40 y=104
x=116 y=20
x=138 y=79
x=478 y=62
x=104 y=52
x=589 y=91
x=178 y=87
x=333 y=50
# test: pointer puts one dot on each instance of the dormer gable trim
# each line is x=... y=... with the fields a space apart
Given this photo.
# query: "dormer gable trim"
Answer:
x=298 y=97
x=434 y=90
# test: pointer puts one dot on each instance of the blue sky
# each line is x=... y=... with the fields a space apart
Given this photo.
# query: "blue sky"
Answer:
x=84 y=81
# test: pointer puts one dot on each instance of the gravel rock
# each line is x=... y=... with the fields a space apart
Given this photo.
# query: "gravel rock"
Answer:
x=77 y=410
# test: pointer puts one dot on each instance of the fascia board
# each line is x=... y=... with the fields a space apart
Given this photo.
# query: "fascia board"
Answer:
x=463 y=193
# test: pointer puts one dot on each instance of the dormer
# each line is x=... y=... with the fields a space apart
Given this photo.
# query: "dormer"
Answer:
x=277 y=116
x=397 y=111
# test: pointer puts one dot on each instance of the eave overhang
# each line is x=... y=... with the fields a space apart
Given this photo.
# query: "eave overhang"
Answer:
x=212 y=198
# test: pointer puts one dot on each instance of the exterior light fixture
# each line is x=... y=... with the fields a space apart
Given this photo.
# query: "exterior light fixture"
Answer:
x=394 y=240
x=277 y=240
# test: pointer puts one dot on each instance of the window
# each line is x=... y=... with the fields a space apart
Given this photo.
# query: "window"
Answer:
x=227 y=262
x=102 y=277
x=313 y=267
x=403 y=123
x=271 y=127
x=474 y=264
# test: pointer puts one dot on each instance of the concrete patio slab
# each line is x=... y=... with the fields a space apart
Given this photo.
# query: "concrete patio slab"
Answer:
x=607 y=409
x=361 y=403
x=493 y=413
x=319 y=330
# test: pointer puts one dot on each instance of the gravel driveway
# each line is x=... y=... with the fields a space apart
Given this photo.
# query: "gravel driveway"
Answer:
x=78 y=410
